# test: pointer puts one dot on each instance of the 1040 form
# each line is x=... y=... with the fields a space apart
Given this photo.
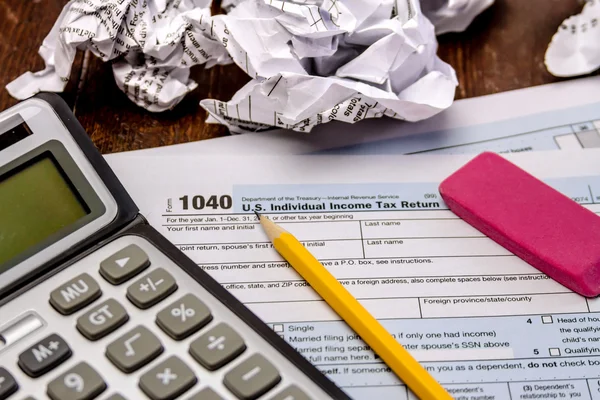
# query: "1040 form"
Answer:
x=484 y=323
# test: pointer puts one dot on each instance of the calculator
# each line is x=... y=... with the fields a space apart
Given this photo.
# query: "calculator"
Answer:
x=95 y=303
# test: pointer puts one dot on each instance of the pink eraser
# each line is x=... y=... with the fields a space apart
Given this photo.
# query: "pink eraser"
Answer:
x=529 y=218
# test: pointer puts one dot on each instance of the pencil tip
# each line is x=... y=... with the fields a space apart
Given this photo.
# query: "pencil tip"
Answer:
x=257 y=214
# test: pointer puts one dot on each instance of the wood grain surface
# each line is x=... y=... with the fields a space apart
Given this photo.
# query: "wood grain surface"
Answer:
x=502 y=50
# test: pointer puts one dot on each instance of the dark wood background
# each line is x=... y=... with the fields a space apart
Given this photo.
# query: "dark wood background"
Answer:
x=502 y=50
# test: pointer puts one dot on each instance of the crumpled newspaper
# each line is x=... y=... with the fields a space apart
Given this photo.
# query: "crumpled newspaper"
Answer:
x=445 y=15
x=336 y=60
x=312 y=61
x=155 y=41
x=575 y=48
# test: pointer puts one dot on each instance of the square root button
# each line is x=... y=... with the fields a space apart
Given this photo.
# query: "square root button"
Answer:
x=136 y=348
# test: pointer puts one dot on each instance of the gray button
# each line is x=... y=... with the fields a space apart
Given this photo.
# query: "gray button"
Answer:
x=252 y=378
x=217 y=347
x=206 y=394
x=8 y=385
x=134 y=349
x=167 y=380
x=184 y=317
x=75 y=294
x=44 y=355
x=292 y=392
x=116 y=396
x=80 y=382
x=102 y=319
x=152 y=288
x=124 y=264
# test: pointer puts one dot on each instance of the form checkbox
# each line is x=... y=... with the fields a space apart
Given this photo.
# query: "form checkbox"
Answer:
x=554 y=351
x=547 y=319
x=278 y=327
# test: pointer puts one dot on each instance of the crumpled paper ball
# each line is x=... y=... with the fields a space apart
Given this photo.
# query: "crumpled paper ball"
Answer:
x=311 y=61
x=339 y=60
x=153 y=42
x=575 y=47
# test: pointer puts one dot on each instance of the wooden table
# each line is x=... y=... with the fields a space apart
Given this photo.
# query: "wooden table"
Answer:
x=502 y=50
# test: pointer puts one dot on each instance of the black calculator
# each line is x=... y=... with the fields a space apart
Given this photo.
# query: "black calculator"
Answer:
x=95 y=303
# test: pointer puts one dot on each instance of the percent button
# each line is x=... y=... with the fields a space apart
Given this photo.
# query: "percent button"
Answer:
x=183 y=317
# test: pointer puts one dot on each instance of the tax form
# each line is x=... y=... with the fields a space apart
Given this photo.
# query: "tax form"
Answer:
x=483 y=322
x=563 y=115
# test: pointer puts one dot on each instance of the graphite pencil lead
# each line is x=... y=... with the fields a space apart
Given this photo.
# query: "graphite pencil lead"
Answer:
x=257 y=214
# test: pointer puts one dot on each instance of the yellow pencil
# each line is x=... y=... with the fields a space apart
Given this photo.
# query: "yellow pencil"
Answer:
x=356 y=316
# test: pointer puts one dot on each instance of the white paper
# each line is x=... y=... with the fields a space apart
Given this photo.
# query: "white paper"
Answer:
x=528 y=118
x=481 y=320
x=575 y=48
x=154 y=43
x=446 y=15
x=344 y=61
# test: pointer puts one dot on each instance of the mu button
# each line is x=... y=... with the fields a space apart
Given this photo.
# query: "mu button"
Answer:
x=75 y=294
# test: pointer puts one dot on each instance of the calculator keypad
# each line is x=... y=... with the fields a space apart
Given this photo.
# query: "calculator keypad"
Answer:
x=102 y=319
x=206 y=394
x=80 y=382
x=252 y=378
x=151 y=288
x=168 y=379
x=75 y=294
x=124 y=264
x=217 y=347
x=183 y=317
x=191 y=346
x=292 y=392
x=8 y=384
x=45 y=355
x=116 y=396
x=134 y=349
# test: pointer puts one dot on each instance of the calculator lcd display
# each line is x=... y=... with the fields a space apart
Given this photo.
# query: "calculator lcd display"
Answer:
x=36 y=202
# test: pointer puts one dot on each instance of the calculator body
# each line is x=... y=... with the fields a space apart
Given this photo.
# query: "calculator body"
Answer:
x=95 y=303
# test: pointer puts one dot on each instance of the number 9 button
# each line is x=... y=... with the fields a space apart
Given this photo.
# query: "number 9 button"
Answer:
x=81 y=382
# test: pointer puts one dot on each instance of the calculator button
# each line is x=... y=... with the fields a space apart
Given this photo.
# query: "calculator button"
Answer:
x=134 y=349
x=8 y=385
x=292 y=392
x=102 y=319
x=124 y=264
x=252 y=378
x=151 y=289
x=167 y=380
x=75 y=294
x=44 y=355
x=116 y=396
x=80 y=382
x=217 y=347
x=183 y=317
x=206 y=394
